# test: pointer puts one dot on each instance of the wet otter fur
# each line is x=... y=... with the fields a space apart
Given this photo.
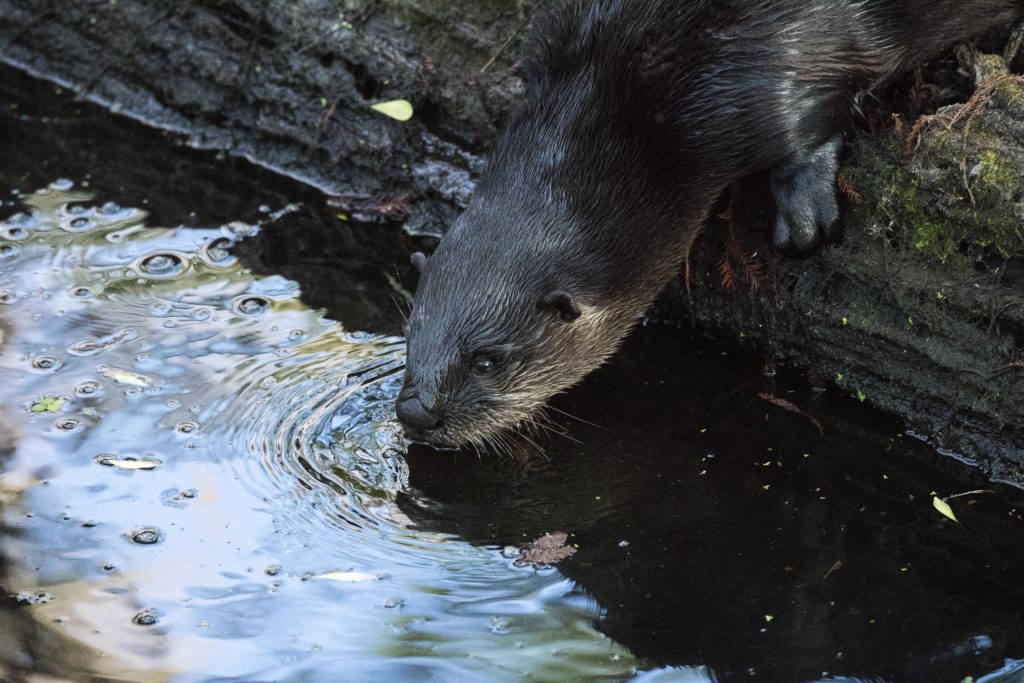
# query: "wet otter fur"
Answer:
x=637 y=114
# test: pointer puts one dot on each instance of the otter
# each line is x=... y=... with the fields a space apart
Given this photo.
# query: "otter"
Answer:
x=636 y=115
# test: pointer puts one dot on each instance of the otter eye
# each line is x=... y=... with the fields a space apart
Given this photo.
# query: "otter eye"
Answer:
x=484 y=366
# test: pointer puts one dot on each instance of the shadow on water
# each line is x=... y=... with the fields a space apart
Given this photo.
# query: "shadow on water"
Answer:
x=202 y=477
x=715 y=527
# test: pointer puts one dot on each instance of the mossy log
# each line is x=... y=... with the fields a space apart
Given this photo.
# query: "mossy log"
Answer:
x=920 y=311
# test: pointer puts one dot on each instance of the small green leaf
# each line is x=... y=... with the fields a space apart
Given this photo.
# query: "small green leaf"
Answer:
x=48 y=404
x=400 y=110
x=861 y=396
x=943 y=507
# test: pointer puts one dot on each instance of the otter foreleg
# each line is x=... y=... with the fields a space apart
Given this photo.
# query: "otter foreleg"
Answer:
x=804 y=188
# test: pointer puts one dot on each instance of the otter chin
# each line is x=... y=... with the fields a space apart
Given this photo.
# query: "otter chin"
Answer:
x=637 y=114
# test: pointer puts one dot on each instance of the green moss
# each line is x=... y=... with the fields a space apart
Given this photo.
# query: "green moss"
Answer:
x=937 y=205
x=955 y=194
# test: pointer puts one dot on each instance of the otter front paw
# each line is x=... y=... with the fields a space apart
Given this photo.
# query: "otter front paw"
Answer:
x=807 y=212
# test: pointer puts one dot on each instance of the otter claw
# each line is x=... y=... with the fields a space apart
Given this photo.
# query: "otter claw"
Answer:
x=807 y=211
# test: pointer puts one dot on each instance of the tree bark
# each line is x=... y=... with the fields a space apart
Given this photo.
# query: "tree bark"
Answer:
x=920 y=311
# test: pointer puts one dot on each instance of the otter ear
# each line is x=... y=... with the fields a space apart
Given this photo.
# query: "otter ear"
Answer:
x=562 y=302
x=418 y=259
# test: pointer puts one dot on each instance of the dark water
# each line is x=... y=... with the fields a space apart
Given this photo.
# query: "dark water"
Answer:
x=202 y=478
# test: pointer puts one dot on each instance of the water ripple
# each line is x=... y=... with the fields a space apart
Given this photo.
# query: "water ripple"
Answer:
x=186 y=426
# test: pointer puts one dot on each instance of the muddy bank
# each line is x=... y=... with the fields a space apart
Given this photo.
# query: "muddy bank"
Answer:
x=915 y=313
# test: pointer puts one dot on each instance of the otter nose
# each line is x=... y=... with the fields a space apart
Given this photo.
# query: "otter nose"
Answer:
x=415 y=416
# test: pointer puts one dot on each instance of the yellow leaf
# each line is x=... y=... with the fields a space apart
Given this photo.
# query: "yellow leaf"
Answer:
x=943 y=507
x=400 y=110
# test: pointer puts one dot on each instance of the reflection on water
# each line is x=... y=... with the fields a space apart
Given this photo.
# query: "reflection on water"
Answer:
x=200 y=477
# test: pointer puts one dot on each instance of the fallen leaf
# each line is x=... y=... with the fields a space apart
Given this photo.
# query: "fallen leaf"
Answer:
x=943 y=507
x=48 y=404
x=123 y=376
x=791 y=407
x=548 y=549
x=400 y=110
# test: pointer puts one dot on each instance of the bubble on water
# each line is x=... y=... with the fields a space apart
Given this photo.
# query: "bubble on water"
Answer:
x=14 y=233
x=146 y=535
x=62 y=184
x=296 y=335
x=131 y=392
x=7 y=296
x=85 y=347
x=79 y=224
x=108 y=566
x=40 y=598
x=160 y=309
x=201 y=314
x=8 y=251
x=189 y=493
x=217 y=252
x=147 y=617
x=250 y=305
x=272 y=570
x=240 y=229
x=80 y=292
x=172 y=403
x=109 y=209
x=68 y=424
x=46 y=363
x=22 y=218
x=91 y=347
x=161 y=265
x=187 y=427
x=89 y=389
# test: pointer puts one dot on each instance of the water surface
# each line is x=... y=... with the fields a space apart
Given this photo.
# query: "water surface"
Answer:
x=202 y=477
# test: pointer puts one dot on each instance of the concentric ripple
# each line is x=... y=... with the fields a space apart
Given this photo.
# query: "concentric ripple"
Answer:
x=198 y=453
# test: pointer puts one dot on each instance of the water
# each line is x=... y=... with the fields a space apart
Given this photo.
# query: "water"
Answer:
x=199 y=463
x=202 y=477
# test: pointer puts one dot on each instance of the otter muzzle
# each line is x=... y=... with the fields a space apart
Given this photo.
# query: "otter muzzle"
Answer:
x=415 y=417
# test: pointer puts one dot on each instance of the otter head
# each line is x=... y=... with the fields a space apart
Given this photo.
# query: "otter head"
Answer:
x=499 y=324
